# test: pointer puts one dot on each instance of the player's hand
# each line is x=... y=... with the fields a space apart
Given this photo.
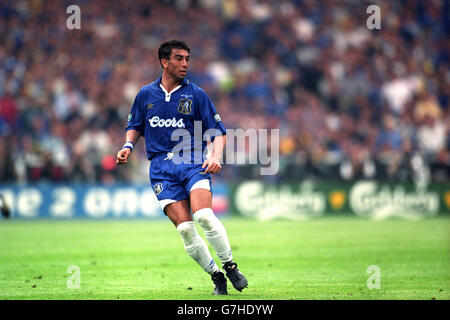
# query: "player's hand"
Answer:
x=212 y=165
x=122 y=156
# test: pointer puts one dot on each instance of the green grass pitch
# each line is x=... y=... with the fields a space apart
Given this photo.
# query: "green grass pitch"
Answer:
x=325 y=258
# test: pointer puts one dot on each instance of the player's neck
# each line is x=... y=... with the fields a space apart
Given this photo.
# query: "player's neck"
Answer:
x=168 y=82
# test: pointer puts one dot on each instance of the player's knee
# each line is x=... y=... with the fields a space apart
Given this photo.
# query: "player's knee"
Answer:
x=188 y=232
x=206 y=218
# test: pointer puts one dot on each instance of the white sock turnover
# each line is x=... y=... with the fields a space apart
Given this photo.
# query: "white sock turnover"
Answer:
x=215 y=233
x=196 y=247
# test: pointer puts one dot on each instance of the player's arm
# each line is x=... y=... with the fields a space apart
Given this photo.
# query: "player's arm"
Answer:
x=132 y=138
x=212 y=164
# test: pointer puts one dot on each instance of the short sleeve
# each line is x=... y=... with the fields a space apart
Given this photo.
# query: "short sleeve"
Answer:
x=210 y=117
x=136 y=119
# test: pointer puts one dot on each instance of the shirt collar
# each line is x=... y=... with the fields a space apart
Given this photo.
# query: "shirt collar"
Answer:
x=185 y=81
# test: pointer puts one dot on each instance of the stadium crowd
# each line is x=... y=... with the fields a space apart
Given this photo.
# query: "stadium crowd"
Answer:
x=350 y=102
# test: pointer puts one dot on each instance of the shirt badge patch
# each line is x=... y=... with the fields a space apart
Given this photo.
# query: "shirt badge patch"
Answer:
x=217 y=118
x=158 y=188
x=185 y=106
x=130 y=117
x=149 y=106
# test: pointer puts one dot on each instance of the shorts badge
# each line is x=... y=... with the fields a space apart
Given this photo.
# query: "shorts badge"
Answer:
x=158 y=188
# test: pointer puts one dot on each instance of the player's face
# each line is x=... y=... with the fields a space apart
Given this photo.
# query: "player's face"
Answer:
x=177 y=65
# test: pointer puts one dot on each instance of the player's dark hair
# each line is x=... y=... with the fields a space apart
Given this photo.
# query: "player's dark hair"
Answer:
x=165 y=48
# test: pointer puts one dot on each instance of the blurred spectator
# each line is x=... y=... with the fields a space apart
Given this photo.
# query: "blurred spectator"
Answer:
x=349 y=102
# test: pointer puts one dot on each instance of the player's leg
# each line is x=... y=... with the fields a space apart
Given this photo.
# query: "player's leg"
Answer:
x=4 y=207
x=201 y=204
x=179 y=213
x=173 y=199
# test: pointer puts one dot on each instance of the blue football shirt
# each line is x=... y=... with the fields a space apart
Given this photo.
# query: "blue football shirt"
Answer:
x=156 y=114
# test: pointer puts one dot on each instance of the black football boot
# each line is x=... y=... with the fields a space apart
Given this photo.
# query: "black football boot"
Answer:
x=236 y=277
x=220 y=283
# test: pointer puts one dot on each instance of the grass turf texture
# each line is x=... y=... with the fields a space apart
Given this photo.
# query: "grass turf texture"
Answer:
x=326 y=258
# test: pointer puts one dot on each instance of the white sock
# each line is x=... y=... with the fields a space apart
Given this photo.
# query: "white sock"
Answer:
x=215 y=233
x=196 y=247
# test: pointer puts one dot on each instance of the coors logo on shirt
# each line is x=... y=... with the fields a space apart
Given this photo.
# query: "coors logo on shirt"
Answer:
x=167 y=123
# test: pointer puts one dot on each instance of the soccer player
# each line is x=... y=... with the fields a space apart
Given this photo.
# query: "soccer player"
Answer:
x=4 y=209
x=173 y=103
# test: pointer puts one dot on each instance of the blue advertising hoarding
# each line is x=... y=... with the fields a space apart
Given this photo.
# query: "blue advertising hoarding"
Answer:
x=67 y=201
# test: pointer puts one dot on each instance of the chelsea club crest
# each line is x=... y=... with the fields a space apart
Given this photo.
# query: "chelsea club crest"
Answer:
x=185 y=106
